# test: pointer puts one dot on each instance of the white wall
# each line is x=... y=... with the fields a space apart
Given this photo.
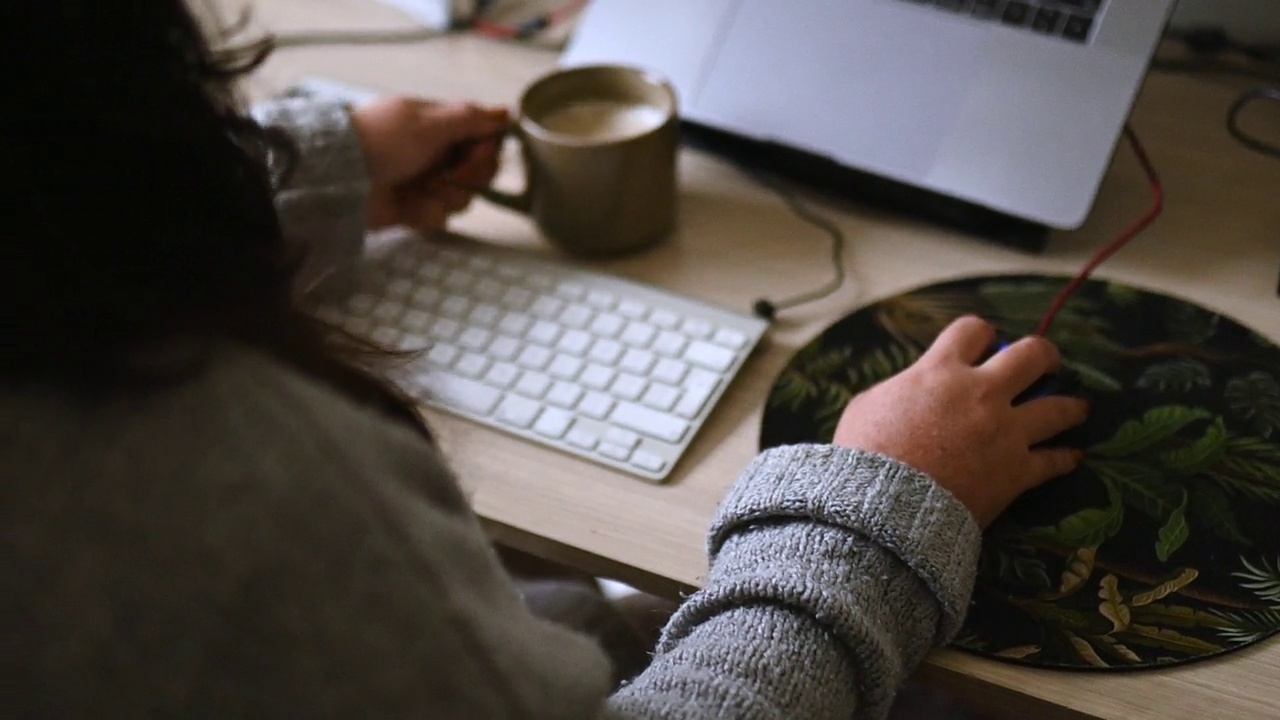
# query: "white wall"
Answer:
x=1246 y=20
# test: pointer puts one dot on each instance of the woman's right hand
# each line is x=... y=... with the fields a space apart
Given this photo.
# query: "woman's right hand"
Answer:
x=954 y=419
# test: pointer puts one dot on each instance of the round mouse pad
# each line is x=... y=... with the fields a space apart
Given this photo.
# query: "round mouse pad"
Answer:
x=1162 y=547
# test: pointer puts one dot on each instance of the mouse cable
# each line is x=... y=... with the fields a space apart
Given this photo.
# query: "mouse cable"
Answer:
x=476 y=25
x=1237 y=109
x=1157 y=206
x=768 y=309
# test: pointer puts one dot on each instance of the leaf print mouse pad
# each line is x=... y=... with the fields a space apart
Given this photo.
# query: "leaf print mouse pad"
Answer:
x=1162 y=547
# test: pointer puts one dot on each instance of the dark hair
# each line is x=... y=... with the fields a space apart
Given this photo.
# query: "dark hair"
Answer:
x=140 y=203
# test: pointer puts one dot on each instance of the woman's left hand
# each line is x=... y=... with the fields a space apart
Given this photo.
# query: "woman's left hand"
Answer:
x=426 y=160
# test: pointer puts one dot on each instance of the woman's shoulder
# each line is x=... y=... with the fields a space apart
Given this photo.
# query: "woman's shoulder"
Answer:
x=242 y=418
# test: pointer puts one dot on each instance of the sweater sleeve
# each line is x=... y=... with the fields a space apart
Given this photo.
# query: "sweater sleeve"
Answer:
x=833 y=573
x=323 y=204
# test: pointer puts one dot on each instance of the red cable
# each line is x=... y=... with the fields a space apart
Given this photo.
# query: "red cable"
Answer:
x=1157 y=206
x=509 y=32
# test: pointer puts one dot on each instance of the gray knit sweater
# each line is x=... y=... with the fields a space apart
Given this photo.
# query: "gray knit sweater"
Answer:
x=251 y=544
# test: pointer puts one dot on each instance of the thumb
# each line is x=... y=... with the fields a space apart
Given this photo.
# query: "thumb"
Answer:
x=453 y=124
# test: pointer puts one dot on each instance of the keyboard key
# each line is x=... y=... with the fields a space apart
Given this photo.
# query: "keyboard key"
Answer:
x=431 y=273
x=622 y=438
x=601 y=300
x=1085 y=5
x=455 y=307
x=985 y=9
x=517 y=298
x=597 y=377
x=632 y=309
x=639 y=334
x=606 y=352
x=565 y=395
x=1016 y=13
x=565 y=367
x=694 y=328
x=695 y=398
x=649 y=422
x=480 y=262
x=385 y=336
x=669 y=371
x=608 y=325
x=488 y=289
x=504 y=348
x=546 y=307
x=460 y=393
x=583 y=437
x=507 y=271
x=712 y=357
x=485 y=315
x=544 y=333
x=415 y=320
x=637 y=361
x=459 y=280
x=661 y=397
x=571 y=291
x=1077 y=28
x=669 y=344
x=1046 y=20
x=475 y=339
x=444 y=329
x=731 y=339
x=534 y=357
x=553 y=423
x=426 y=298
x=576 y=316
x=628 y=387
x=518 y=411
x=471 y=365
x=502 y=375
x=386 y=312
x=664 y=319
x=540 y=281
x=701 y=378
x=515 y=324
x=951 y=4
x=596 y=405
x=574 y=342
x=648 y=461
x=614 y=452
x=534 y=385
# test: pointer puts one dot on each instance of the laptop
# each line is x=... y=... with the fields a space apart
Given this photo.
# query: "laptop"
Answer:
x=1012 y=106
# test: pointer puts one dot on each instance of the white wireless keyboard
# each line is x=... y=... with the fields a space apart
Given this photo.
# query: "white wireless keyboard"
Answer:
x=608 y=370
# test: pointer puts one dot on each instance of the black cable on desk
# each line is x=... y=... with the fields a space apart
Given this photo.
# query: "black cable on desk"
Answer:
x=769 y=309
x=1238 y=108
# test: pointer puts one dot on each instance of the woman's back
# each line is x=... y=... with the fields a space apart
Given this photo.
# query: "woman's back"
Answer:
x=248 y=542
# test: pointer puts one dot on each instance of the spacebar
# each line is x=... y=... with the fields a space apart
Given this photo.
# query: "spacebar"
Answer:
x=648 y=422
x=462 y=394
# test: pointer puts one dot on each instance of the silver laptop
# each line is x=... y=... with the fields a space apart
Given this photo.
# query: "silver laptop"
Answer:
x=1013 y=105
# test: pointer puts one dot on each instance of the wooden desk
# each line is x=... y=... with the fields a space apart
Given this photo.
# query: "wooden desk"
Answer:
x=1218 y=243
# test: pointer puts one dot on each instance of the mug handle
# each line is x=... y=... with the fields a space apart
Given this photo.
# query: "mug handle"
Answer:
x=520 y=202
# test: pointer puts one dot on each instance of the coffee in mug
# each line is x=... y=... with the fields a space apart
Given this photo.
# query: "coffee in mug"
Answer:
x=603 y=120
x=599 y=146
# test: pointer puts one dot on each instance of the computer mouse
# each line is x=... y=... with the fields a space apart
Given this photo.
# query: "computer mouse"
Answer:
x=1063 y=382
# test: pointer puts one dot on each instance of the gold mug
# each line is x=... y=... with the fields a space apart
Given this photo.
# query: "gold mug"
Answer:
x=599 y=144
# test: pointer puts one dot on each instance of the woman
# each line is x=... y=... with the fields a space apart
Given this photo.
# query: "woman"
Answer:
x=216 y=507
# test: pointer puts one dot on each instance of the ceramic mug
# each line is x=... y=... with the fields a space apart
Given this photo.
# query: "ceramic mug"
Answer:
x=599 y=145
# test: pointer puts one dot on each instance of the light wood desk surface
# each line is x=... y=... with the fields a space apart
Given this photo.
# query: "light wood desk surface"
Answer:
x=1218 y=244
